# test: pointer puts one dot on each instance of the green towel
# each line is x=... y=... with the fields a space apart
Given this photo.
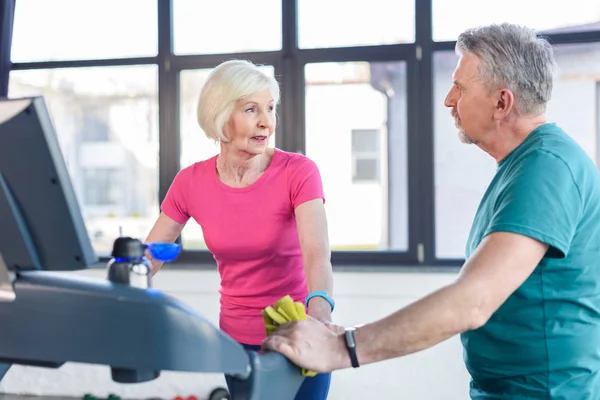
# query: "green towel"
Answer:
x=285 y=310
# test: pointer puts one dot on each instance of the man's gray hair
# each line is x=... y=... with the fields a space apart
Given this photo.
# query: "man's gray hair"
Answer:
x=514 y=57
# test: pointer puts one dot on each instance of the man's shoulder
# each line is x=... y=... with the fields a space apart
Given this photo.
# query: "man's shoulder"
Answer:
x=553 y=139
x=548 y=148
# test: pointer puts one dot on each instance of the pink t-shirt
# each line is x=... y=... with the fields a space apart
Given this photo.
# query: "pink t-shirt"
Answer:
x=251 y=233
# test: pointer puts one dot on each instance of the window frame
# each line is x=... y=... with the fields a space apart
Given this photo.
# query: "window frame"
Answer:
x=289 y=63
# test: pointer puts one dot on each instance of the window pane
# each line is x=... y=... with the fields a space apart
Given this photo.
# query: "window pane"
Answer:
x=75 y=30
x=463 y=172
x=366 y=194
x=551 y=17
x=215 y=27
x=107 y=125
x=366 y=170
x=102 y=186
x=195 y=146
x=365 y=141
x=335 y=23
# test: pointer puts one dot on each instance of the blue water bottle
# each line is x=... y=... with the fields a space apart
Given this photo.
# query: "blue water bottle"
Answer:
x=129 y=264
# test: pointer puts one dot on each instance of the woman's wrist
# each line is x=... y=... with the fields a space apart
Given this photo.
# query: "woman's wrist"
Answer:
x=321 y=296
x=320 y=309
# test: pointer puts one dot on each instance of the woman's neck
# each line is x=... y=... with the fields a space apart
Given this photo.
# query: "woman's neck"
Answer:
x=239 y=167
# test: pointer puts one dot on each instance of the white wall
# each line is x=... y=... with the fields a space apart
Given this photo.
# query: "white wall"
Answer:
x=437 y=373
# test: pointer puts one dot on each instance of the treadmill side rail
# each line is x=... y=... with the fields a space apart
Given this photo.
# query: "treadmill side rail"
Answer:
x=58 y=318
x=273 y=377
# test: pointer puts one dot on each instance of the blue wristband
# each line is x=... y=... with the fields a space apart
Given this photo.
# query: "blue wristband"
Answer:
x=323 y=295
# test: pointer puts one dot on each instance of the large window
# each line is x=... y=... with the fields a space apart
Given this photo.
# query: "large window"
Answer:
x=50 y=30
x=462 y=172
x=352 y=111
x=106 y=121
x=231 y=26
x=337 y=23
x=450 y=18
x=362 y=92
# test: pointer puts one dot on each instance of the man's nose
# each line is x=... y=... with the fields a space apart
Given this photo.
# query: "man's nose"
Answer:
x=449 y=101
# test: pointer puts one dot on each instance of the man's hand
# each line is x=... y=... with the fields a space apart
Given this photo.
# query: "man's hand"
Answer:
x=337 y=329
x=310 y=344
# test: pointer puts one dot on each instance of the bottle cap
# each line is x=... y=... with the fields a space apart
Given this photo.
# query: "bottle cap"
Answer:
x=127 y=247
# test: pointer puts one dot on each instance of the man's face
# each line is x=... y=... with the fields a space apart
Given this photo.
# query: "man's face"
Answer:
x=471 y=104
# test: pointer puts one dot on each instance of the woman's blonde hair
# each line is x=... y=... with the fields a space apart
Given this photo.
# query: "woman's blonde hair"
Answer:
x=229 y=82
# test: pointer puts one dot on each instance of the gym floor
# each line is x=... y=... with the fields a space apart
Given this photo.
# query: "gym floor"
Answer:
x=22 y=397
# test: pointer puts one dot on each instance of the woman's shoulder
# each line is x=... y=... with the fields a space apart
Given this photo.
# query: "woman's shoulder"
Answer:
x=291 y=160
x=198 y=169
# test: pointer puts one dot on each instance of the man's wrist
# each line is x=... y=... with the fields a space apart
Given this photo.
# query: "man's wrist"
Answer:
x=351 y=346
x=342 y=361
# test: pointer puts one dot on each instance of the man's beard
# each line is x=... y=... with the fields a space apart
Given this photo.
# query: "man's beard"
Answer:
x=462 y=135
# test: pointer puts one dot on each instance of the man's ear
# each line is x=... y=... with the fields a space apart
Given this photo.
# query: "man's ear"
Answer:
x=505 y=101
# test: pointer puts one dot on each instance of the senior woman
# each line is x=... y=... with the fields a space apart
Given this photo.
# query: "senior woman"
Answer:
x=261 y=211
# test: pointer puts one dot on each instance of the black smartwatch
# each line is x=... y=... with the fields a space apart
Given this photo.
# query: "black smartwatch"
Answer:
x=351 y=346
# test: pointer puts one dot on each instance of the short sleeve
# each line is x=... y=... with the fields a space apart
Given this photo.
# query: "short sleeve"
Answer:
x=540 y=200
x=175 y=204
x=304 y=181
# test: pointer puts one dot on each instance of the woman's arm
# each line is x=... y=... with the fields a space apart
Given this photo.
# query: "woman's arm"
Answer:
x=165 y=230
x=314 y=242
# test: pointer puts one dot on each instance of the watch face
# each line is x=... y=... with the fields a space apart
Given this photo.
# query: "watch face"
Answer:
x=350 y=337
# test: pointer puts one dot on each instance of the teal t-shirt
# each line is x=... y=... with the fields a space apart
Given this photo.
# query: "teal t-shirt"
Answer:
x=544 y=341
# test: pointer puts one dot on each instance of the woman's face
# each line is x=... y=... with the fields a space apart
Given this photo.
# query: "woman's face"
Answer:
x=252 y=122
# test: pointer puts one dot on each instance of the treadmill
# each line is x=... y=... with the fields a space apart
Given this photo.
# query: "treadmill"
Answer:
x=50 y=318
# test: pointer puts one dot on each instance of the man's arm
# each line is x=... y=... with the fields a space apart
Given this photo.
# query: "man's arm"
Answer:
x=501 y=263
x=499 y=266
x=312 y=232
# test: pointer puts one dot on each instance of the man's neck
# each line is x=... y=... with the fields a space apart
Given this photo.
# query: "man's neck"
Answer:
x=510 y=135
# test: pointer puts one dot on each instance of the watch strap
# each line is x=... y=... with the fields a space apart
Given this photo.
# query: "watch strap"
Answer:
x=351 y=346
